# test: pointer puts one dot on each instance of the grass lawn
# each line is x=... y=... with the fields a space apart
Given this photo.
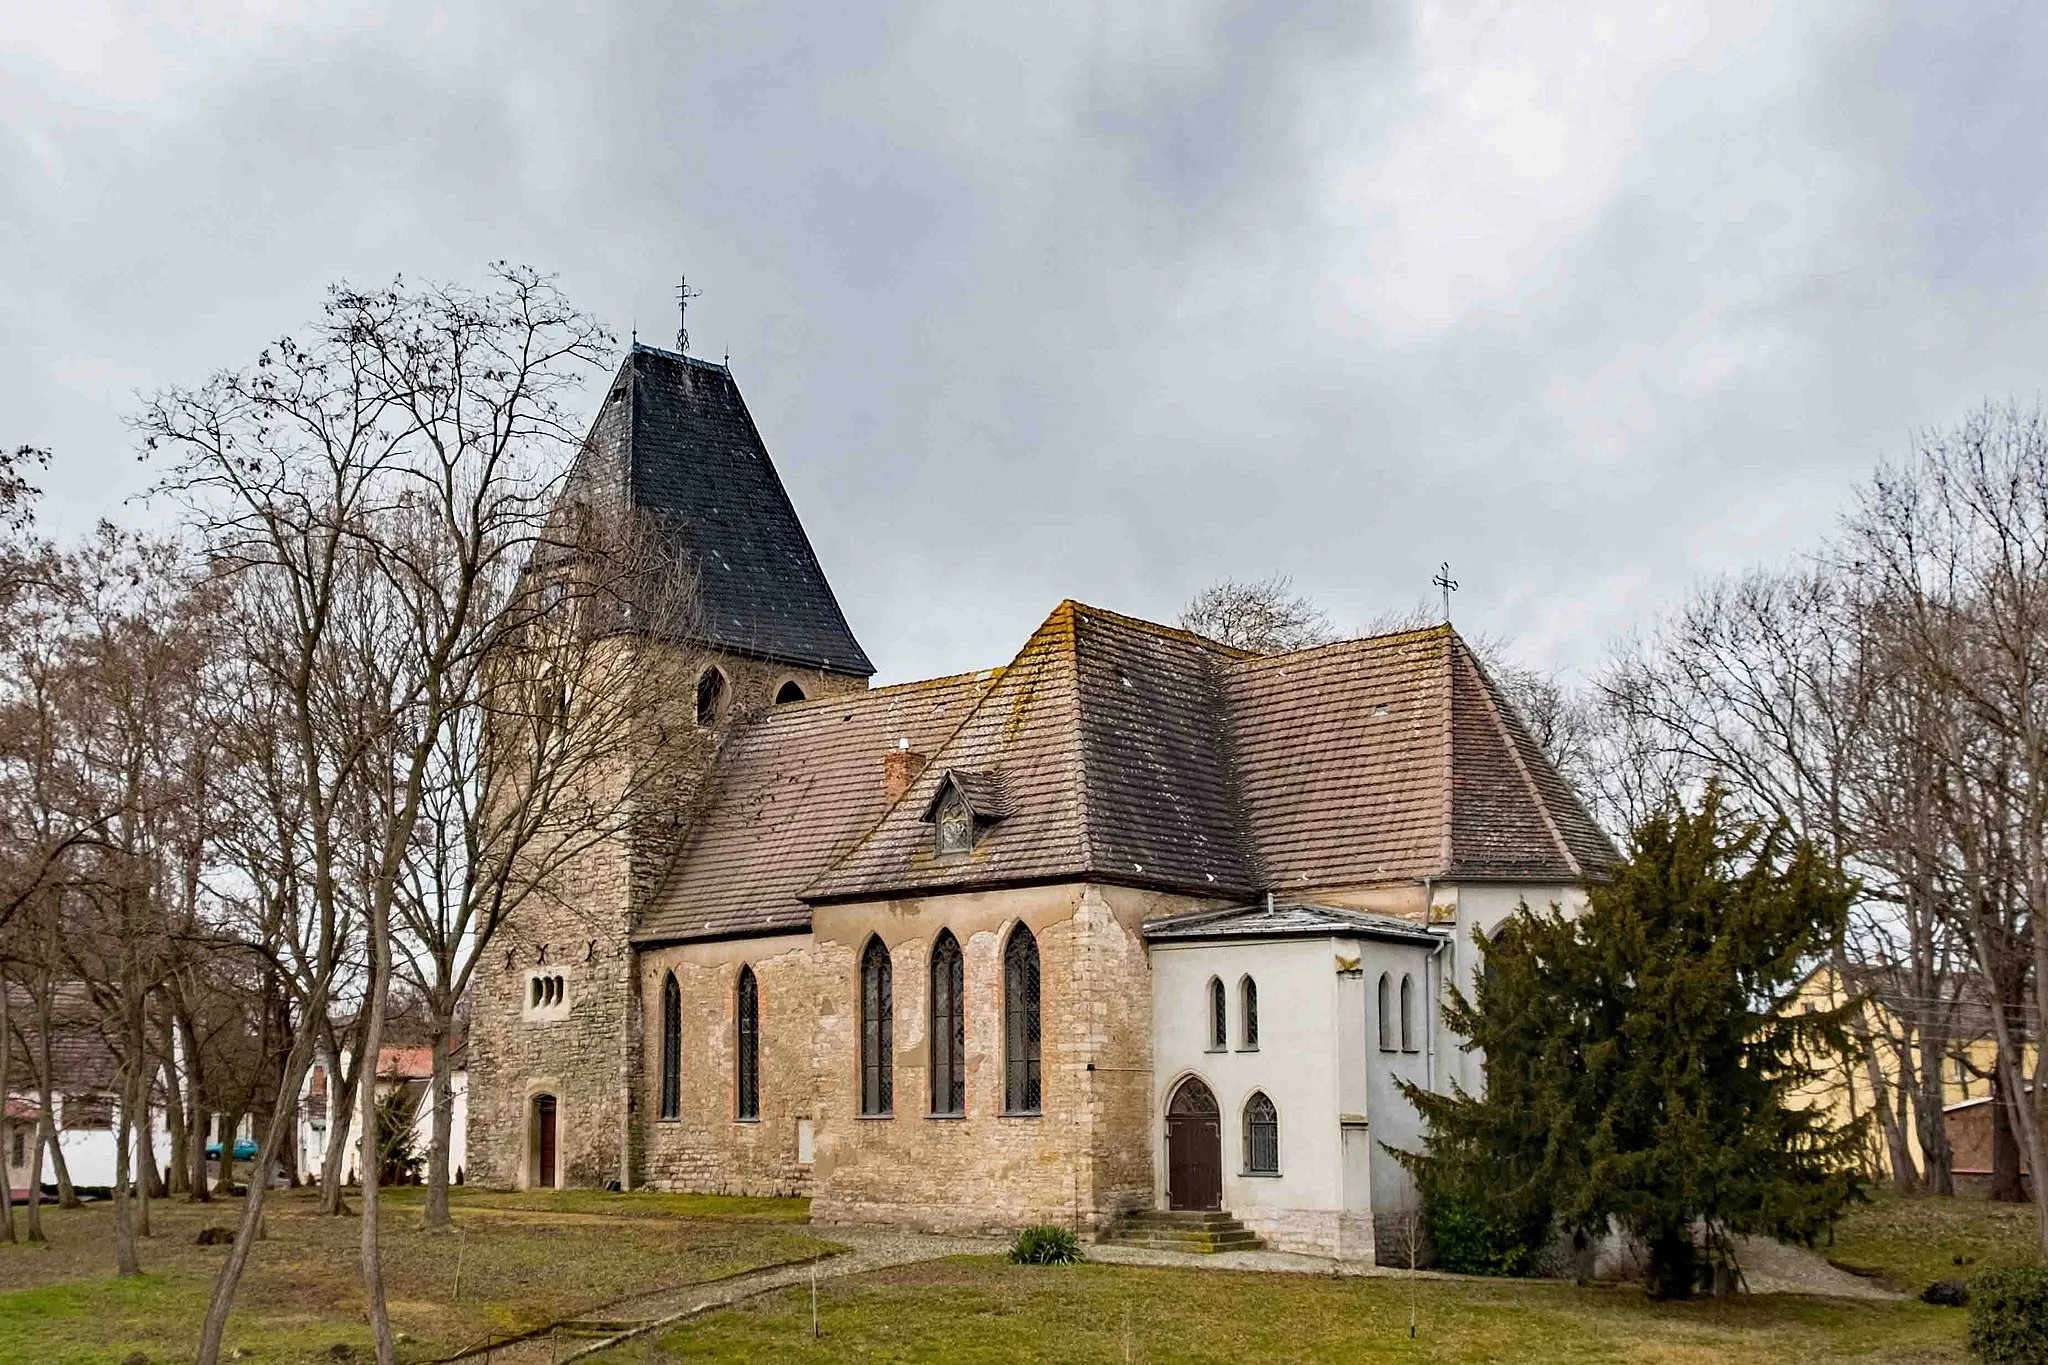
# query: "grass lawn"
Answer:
x=983 y=1310
x=1914 y=1242
x=525 y=1259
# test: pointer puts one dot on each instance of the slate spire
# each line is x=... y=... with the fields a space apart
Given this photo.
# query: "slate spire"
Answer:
x=675 y=437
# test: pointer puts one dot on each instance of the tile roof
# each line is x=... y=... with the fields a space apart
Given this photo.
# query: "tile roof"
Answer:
x=1284 y=919
x=675 y=434
x=1110 y=740
x=1118 y=750
x=1396 y=758
x=796 y=786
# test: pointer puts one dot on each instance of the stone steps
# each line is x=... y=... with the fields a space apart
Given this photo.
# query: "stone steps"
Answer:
x=1203 y=1233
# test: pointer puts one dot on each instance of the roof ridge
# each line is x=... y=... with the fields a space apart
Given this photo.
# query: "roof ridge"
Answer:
x=886 y=690
x=1252 y=659
x=1529 y=782
x=1159 y=628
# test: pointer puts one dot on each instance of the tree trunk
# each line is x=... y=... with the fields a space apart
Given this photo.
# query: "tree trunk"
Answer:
x=1937 y=1156
x=67 y=1195
x=444 y=1126
x=2005 y=1148
x=251 y=1226
x=125 y=1262
x=230 y=1128
x=195 y=1112
x=366 y=1065
x=178 y=1179
x=1905 y=1176
x=44 y=1133
x=6 y=1129
x=1674 y=1263
x=341 y=1092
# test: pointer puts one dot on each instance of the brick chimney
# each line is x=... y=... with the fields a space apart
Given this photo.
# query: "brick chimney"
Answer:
x=900 y=768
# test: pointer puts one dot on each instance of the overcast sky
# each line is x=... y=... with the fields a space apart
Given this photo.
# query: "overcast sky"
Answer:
x=1104 y=301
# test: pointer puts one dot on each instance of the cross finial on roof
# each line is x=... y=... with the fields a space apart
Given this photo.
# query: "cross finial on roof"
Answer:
x=1449 y=585
x=683 y=296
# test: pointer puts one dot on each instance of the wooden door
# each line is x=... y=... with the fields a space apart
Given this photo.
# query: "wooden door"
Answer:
x=544 y=1125
x=1194 y=1149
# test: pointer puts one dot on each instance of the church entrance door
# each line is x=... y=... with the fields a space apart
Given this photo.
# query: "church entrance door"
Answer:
x=1194 y=1148
x=544 y=1142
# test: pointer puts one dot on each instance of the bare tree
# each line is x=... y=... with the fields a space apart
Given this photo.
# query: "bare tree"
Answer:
x=380 y=487
x=1265 y=616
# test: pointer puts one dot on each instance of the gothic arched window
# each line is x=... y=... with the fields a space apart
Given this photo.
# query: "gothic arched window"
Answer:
x=1248 y=1014
x=1386 y=1013
x=671 y=1049
x=790 y=692
x=1219 y=1016
x=1022 y=1078
x=710 y=696
x=877 y=1002
x=748 y=1002
x=1407 y=1013
x=1261 y=1136
x=948 y=1026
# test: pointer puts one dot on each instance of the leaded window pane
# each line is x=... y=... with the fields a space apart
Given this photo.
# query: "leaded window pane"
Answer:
x=877 y=1005
x=956 y=825
x=1219 y=1017
x=948 y=1027
x=1023 y=1090
x=671 y=1049
x=1250 y=1013
x=749 y=1098
x=1261 y=1136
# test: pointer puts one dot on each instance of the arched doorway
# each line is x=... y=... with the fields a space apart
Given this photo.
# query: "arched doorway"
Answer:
x=1194 y=1148
x=545 y=1142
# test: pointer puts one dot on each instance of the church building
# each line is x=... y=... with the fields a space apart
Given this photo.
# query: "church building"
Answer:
x=1133 y=921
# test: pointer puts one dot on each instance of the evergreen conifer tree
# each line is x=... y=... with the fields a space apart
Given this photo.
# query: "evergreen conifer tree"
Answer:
x=1641 y=1059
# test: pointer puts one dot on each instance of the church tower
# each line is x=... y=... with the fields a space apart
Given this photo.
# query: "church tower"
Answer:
x=554 y=1009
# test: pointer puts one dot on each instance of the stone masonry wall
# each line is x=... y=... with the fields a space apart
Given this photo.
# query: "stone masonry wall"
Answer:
x=709 y=1148
x=590 y=1056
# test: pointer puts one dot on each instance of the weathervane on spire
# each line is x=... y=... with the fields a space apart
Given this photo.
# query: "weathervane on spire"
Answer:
x=1449 y=585
x=683 y=296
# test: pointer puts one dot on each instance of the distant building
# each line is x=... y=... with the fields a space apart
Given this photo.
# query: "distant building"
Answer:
x=86 y=1094
x=1135 y=921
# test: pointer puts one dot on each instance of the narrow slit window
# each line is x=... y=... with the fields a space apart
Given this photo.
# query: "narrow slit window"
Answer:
x=671 y=1048
x=1407 y=1013
x=1023 y=1080
x=948 y=1027
x=748 y=1004
x=1219 y=1016
x=877 y=1004
x=1386 y=1013
x=1248 y=1014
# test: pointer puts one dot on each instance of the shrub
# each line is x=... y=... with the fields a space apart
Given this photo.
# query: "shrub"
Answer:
x=2009 y=1315
x=1046 y=1244
x=1472 y=1239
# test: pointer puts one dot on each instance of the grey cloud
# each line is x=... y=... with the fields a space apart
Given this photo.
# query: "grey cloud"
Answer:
x=1031 y=305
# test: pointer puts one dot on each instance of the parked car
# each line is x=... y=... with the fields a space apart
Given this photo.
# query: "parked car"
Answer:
x=245 y=1150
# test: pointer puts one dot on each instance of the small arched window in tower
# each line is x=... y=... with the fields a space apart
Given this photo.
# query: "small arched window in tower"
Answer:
x=1407 y=1013
x=1386 y=1013
x=948 y=1027
x=1261 y=1136
x=877 y=1004
x=671 y=1049
x=1248 y=1014
x=711 y=696
x=789 y=692
x=748 y=1002
x=1022 y=1079
x=1219 y=1016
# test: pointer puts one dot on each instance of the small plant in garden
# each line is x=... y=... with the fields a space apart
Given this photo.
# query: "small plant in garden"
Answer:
x=1046 y=1244
x=2009 y=1315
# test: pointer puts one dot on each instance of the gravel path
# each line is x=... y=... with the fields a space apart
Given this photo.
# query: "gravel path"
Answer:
x=1774 y=1268
x=868 y=1248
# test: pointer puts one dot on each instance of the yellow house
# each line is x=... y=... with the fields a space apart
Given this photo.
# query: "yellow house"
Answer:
x=1855 y=1085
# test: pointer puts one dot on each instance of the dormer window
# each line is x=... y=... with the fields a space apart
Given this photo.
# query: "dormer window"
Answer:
x=965 y=804
x=955 y=823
